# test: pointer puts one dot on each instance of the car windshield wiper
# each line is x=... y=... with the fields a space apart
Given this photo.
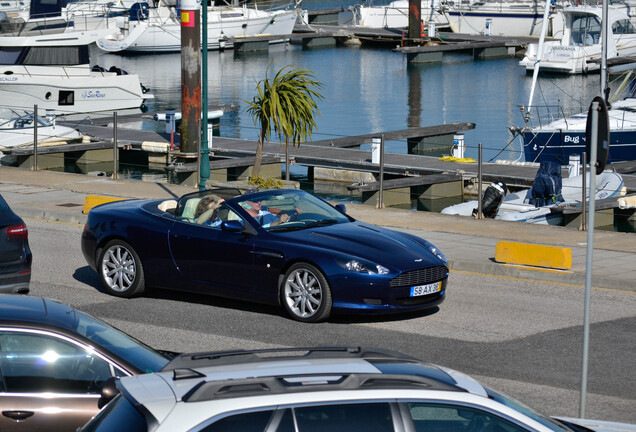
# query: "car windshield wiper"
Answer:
x=322 y=222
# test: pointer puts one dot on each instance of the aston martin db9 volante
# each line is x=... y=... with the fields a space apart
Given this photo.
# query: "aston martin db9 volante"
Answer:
x=284 y=247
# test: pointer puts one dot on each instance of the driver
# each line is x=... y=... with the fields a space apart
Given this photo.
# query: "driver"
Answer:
x=264 y=217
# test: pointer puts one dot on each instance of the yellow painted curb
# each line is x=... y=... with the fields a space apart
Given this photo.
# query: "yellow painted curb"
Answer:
x=94 y=200
x=533 y=255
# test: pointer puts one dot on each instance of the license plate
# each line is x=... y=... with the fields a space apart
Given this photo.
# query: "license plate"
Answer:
x=421 y=290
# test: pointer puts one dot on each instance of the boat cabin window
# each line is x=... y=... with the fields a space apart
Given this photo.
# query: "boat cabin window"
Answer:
x=586 y=30
x=61 y=56
x=623 y=27
x=9 y=56
x=66 y=97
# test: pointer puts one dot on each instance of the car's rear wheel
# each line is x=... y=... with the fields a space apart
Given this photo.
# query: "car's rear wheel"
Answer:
x=305 y=293
x=120 y=270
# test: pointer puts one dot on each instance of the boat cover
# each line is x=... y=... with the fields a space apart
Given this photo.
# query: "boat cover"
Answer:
x=546 y=188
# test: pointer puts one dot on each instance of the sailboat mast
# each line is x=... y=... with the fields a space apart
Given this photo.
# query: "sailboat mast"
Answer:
x=535 y=74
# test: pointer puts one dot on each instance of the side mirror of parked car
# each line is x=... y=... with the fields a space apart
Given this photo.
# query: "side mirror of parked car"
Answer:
x=109 y=391
x=341 y=208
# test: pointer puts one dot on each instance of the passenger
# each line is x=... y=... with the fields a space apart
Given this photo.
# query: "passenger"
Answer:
x=265 y=218
x=205 y=213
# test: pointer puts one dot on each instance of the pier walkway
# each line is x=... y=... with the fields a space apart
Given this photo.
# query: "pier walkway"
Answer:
x=337 y=154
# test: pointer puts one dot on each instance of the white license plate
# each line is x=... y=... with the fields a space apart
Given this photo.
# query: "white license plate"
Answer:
x=421 y=290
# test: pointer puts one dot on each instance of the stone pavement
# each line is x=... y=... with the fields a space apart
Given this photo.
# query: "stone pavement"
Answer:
x=468 y=243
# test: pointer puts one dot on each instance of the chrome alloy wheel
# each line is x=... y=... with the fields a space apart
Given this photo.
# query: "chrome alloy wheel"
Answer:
x=303 y=293
x=119 y=268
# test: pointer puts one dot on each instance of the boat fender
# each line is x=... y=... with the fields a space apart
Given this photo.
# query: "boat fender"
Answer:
x=492 y=199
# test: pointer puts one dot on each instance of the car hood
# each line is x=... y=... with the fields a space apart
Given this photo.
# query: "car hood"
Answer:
x=379 y=245
x=598 y=425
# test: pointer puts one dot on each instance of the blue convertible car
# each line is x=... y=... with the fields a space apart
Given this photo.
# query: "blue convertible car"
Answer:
x=283 y=247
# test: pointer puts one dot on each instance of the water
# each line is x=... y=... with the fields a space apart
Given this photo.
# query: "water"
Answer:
x=373 y=90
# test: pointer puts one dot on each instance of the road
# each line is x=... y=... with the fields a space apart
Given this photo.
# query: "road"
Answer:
x=522 y=337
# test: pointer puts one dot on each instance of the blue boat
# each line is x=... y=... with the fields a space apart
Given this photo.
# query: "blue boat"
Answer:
x=557 y=140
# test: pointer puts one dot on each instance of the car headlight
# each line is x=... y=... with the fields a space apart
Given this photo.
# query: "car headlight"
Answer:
x=362 y=267
x=435 y=251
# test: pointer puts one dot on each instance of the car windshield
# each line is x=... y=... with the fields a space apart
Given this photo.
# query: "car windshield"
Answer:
x=287 y=210
x=526 y=410
x=131 y=350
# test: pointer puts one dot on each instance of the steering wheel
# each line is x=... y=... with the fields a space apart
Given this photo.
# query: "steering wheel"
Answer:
x=309 y=217
x=18 y=124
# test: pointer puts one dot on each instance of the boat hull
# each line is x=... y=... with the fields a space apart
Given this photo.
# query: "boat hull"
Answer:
x=69 y=89
x=149 y=36
x=502 y=22
x=559 y=145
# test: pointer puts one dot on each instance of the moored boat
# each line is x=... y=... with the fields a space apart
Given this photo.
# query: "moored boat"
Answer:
x=60 y=78
x=158 y=29
x=579 y=50
x=524 y=206
x=17 y=129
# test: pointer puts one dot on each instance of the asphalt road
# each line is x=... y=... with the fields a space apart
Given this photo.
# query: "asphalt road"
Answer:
x=520 y=336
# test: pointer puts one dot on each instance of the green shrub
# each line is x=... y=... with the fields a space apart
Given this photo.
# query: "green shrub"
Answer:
x=262 y=183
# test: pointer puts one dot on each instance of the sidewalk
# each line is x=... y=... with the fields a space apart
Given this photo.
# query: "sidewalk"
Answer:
x=468 y=243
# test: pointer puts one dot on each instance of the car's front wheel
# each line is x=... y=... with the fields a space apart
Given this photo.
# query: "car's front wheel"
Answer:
x=120 y=270
x=305 y=293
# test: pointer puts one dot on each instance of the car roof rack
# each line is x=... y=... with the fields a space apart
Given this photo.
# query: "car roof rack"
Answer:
x=221 y=358
x=232 y=388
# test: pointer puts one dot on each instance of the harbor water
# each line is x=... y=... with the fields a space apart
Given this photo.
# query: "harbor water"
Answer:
x=369 y=89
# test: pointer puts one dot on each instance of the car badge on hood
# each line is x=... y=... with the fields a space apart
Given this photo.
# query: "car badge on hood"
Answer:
x=418 y=260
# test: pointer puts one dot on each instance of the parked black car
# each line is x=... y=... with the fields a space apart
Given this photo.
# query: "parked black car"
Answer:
x=54 y=361
x=15 y=255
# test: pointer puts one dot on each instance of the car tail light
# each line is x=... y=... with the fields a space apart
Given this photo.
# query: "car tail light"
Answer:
x=17 y=231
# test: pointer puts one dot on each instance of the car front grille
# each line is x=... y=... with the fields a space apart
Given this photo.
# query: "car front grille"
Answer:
x=420 y=276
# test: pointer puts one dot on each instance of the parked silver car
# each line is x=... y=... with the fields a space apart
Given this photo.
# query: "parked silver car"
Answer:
x=317 y=389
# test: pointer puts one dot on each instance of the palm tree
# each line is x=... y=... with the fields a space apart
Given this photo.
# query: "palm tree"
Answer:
x=286 y=102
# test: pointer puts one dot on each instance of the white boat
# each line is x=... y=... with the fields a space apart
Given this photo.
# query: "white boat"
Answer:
x=48 y=23
x=504 y=18
x=60 y=78
x=490 y=18
x=395 y=15
x=158 y=29
x=17 y=129
x=579 y=51
x=517 y=206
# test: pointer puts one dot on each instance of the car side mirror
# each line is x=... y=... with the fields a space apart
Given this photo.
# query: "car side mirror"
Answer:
x=341 y=208
x=232 y=226
x=109 y=391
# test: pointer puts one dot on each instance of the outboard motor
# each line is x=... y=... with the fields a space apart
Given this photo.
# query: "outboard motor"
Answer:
x=493 y=197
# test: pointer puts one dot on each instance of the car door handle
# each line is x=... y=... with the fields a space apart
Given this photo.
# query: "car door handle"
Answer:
x=18 y=415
